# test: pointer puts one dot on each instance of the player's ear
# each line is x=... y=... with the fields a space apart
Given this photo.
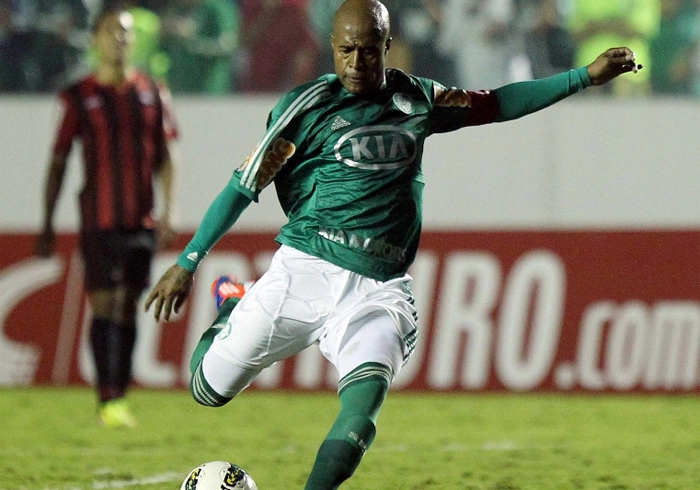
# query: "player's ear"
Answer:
x=332 y=41
x=387 y=45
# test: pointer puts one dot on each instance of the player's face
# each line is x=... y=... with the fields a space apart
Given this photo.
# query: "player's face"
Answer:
x=359 y=51
x=114 y=38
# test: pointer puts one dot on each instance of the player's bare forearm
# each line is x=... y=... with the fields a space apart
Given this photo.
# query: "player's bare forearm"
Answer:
x=167 y=179
x=611 y=64
x=54 y=182
x=170 y=292
x=167 y=175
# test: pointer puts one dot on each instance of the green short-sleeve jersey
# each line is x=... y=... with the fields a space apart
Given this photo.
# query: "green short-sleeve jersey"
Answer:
x=352 y=189
x=347 y=168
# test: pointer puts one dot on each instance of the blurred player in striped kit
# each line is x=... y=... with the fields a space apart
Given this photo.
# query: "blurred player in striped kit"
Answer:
x=344 y=152
x=123 y=120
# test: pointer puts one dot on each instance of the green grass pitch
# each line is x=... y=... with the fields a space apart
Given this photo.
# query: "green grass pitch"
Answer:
x=49 y=440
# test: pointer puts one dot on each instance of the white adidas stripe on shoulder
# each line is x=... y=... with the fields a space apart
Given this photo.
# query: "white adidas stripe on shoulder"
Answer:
x=304 y=101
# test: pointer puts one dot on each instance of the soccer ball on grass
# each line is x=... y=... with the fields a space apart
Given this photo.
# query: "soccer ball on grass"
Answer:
x=218 y=475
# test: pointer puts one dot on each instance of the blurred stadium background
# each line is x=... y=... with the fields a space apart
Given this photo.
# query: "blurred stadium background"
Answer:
x=561 y=253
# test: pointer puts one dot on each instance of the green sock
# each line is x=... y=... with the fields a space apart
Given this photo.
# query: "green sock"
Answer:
x=353 y=431
x=336 y=461
x=207 y=337
x=203 y=393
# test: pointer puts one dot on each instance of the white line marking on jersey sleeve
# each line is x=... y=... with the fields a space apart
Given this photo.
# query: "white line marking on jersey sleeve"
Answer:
x=306 y=100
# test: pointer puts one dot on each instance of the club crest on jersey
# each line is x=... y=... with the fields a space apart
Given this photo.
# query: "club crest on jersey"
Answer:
x=403 y=103
x=381 y=147
x=146 y=98
x=93 y=102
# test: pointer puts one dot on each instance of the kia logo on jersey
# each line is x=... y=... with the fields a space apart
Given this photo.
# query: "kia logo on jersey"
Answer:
x=377 y=148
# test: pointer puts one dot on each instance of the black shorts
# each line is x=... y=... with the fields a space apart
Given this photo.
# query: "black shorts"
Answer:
x=117 y=258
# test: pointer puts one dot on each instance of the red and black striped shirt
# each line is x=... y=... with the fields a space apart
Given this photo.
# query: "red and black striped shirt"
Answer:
x=124 y=130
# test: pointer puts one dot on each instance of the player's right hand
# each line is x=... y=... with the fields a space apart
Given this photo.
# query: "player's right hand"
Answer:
x=170 y=293
x=43 y=247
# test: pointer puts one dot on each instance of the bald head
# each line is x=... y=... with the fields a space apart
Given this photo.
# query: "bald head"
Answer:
x=360 y=41
x=370 y=14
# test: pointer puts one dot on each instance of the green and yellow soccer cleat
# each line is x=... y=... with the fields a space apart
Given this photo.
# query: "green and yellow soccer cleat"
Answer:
x=115 y=413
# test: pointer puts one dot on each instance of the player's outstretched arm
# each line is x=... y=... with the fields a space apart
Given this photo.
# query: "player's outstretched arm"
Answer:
x=611 y=64
x=170 y=292
x=519 y=99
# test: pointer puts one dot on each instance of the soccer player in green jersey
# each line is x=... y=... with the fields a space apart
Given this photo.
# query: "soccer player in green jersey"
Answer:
x=344 y=152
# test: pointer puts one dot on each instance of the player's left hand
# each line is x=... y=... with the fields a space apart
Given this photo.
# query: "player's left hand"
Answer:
x=170 y=293
x=612 y=63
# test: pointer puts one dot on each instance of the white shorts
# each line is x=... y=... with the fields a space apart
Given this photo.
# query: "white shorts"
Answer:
x=302 y=300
